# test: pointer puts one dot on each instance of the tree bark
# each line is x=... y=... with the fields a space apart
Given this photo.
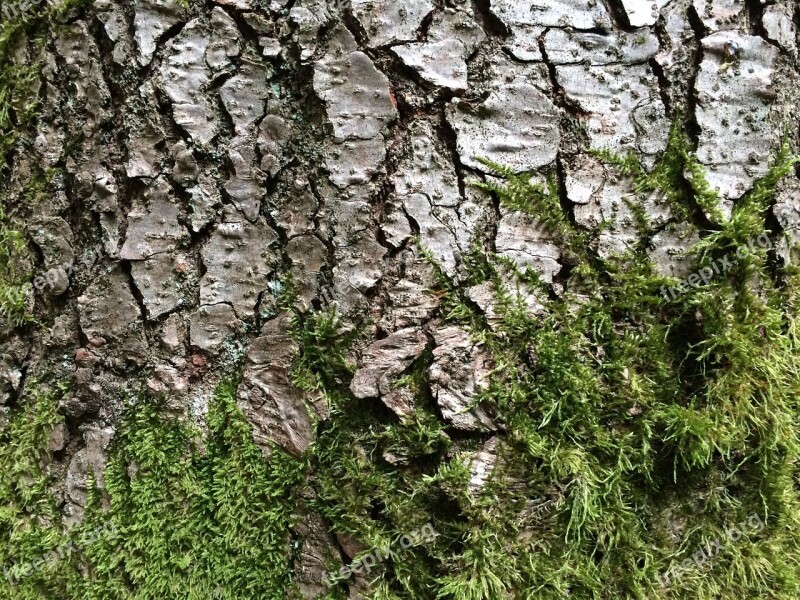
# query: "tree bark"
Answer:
x=207 y=171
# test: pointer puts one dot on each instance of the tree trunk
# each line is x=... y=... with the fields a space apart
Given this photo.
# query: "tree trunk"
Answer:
x=250 y=214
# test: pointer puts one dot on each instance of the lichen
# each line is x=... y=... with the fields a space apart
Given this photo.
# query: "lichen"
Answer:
x=19 y=107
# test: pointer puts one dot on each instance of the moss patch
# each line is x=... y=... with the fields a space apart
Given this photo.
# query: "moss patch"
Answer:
x=637 y=427
x=649 y=424
x=188 y=516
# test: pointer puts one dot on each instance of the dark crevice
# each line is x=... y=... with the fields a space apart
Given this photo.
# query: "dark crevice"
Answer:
x=775 y=266
x=663 y=86
x=145 y=73
x=249 y=35
x=448 y=135
x=398 y=71
x=559 y=95
x=127 y=268
x=218 y=80
x=325 y=276
x=226 y=131
x=425 y=26
x=567 y=205
x=755 y=14
x=755 y=17
x=617 y=12
x=412 y=223
x=167 y=36
x=385 y=190
x=692 y=127
x=796 y=18
x=354 y=27
x=129 y=189
x=257 y=320
x=567 y=208
x=488 y=21
x=450 y=138
x=197 y=239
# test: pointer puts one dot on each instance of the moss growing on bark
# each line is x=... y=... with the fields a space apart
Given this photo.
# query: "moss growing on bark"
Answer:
x=659 y=429
x=664 y=419
x=647 y=424
x=183 y=515
x=29 y=518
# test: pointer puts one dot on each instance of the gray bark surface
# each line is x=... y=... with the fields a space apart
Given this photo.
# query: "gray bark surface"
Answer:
x=210 y=154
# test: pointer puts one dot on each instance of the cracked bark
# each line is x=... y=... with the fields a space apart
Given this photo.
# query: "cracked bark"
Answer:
x=212 y=152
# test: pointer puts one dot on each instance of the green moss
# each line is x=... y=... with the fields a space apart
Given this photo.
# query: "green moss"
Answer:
x=361 y=492
x=29 y=517
x=652 y=414
x=197 y=519
x=186 y=516
x=19 y=99
x=647 y=425
x=650 y=423
x=14 y=81
x=14 y=274
x=543 y=201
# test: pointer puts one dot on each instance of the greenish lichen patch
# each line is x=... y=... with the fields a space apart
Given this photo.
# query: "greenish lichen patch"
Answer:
x=20 y=73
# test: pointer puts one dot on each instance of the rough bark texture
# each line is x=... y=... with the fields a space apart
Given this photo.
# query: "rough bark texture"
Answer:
x=207 y=155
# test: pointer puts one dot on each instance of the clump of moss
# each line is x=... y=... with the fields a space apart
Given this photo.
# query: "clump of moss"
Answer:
x=186 y=516
x=197 y=518
x=14 y=80
x=29 y=515
x=14 y=273
x=376 y=478
x=651 y=423
x=662 y=419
